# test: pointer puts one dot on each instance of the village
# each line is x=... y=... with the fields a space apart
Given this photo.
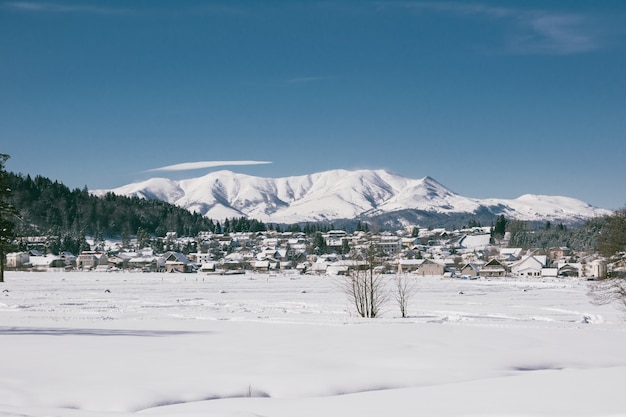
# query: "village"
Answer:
x=465 y=254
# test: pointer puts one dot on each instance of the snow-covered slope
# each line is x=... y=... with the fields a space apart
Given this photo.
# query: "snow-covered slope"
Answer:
x=340 y=194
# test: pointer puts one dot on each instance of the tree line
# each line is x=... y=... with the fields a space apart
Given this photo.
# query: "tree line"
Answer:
x=600 y=235
x=50 y=207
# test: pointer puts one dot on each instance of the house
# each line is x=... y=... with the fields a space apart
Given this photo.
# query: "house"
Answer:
x=389 y=244
x=510 y=254
x=117 y=262
x=91 y=260
x=346 y=266
x=335 y=239
x=493 y=268
x=303 y=267
x=470 y=269
x=233 y=263
x=86 y=260
x=69 y=257
x=261 y=265
x=266 y=264
x=208 y=267
x=408 y=242
x=147 y=263
x=409 y=265
x=472 y=257
x=570 y=269
x=333 y=265
x=270 y=252
x=431 y=267
x=43 y=262
x=296 y=247
x=177 y=262
x=320 y=265
x=529 y=266
x=559 y=253
x=201 y=258
x=270 y=242
x=294 y=260
x=549 y=272
x=474 y=241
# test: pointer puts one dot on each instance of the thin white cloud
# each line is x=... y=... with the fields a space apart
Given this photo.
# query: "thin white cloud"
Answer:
x=31 y=6
x=304 y=80
x=559 y=34
x=187 y=166
x=218 y=9
x=535 y=31
x=453 y=7
x=27 y=6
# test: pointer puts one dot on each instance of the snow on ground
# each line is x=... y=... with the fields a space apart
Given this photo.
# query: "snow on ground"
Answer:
x=127 y=344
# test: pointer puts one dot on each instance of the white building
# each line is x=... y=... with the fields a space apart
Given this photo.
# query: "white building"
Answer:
x=17 y=259
x=529 y=266
x=596 y=269
x=390 y=244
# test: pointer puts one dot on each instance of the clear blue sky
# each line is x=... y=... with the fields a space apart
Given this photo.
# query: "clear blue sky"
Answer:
x=490 y=98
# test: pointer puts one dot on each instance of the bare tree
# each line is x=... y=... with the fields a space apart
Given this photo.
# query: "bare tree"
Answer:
x=607 y=291
x=365 y=287
x=612 y=238
x=406 y=288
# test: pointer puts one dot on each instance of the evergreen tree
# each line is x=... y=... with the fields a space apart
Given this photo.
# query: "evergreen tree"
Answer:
x=143 y=239
x=7 y=216
x=499 y=228
x=319 y=244
x=125 y=239
x=345 y=246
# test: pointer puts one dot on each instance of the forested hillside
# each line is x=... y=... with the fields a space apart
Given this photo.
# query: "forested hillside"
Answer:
x=581 y=238
x=49 y=207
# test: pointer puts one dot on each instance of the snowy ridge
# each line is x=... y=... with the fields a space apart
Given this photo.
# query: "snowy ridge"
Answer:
x=340 y=194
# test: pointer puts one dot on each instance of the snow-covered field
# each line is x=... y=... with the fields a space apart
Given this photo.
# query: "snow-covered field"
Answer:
x=126 y=344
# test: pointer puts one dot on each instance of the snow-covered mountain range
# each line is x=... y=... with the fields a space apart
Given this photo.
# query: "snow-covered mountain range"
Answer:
x=342 y=194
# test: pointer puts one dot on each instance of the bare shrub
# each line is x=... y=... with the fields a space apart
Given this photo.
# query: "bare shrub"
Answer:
x=608 y=291
x=366 y=291
x=405 y=289
x=365 y=287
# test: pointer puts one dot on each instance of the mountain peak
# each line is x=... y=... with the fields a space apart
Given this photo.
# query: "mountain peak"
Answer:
x=430 y=181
